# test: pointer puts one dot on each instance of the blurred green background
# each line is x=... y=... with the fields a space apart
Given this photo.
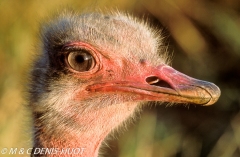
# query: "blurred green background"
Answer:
x=204 y=37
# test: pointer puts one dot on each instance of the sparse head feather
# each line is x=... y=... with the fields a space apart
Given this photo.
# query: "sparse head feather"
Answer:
x=117 y=33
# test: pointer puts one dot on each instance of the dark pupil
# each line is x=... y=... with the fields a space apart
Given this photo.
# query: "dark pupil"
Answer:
x=80 y=60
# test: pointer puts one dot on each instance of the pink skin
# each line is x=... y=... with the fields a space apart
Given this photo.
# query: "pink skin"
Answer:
x=124 y=78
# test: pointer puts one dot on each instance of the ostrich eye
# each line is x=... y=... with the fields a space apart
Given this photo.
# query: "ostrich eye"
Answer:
x=80 y=60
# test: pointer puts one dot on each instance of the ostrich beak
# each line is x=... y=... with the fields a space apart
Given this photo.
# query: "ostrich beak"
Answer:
x=165 y=84
x=178 y=87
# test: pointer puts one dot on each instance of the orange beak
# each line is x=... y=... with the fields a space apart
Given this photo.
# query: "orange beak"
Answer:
x=165 y=84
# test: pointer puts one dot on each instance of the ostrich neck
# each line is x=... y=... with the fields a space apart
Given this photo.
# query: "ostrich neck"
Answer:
x=84 y=136
x=74 y=143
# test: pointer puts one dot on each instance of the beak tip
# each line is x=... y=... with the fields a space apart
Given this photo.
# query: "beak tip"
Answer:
x=215 y=93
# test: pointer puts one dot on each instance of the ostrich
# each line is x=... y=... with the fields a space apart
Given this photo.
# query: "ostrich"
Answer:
x=95 y=71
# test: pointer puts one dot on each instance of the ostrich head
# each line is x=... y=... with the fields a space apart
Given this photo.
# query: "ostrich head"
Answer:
x=94 y=71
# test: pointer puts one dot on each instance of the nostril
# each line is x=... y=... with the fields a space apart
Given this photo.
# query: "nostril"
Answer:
x=152 y=80
x=155 y=81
